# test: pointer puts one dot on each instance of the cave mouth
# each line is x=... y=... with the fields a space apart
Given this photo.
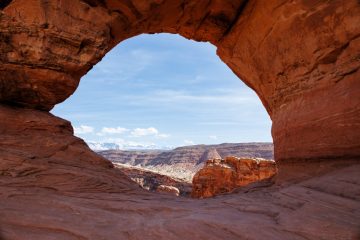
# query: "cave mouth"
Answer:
x=151 y=95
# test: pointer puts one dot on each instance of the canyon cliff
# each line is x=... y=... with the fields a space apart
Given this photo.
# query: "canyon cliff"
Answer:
x=184 y=162
x=220 y=176
x=301 y=57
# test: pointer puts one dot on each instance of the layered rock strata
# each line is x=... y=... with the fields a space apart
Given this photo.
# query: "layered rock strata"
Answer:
x=220 y=176
x=39 y=150
x=301 y=57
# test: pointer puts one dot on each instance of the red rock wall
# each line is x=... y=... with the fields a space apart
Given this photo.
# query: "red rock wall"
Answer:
x=220 y=176
x=301 y=57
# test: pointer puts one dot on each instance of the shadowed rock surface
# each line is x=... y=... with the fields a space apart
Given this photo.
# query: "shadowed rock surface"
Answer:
x=301 y=57
x=220 y=176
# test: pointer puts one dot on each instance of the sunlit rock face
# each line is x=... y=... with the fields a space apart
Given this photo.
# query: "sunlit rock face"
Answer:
x=302 y=59
x=220 y=176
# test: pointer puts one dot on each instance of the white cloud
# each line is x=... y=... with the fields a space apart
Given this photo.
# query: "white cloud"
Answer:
x=136 y=132
x=163 y=135
x=119 y=143
x=229 y=97
x=151 y=131
x=111 y=130
x=140 y=132
x=83 y=129
x=188 y=142
x=213 y=137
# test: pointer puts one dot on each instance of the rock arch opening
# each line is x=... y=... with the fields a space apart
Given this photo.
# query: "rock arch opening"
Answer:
x=45 y=51
x=152 y=96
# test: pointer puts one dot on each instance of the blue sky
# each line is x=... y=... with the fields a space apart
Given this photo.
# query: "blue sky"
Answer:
x=163 y=91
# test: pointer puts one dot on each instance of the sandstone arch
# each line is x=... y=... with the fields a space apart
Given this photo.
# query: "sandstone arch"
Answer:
x=301 y=57
x=295 y=54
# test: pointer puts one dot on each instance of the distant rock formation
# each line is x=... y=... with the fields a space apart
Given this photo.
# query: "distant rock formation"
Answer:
x=224 y=175
x=209 y=154
x=184 y=162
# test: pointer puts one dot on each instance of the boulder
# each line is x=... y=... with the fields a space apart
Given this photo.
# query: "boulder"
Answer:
x=168 y=189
